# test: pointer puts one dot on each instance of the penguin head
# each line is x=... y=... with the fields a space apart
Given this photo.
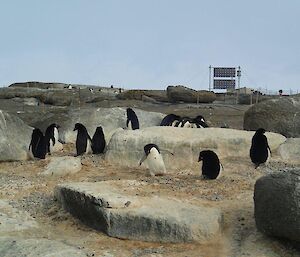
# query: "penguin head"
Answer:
x=129 y=110
x=37 y=132
x=260 y=131
x=201 y=121
x=54 y=125
x=206 y=155
x=78 y=126
x=99 y=129
x=148 y=147
x=200 y=118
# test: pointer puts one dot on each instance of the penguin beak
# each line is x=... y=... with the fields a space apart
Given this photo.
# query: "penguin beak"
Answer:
x=74 y=129
x=200 y=159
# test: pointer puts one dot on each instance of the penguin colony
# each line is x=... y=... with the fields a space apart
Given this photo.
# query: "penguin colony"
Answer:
x=41 y=145
x=184 y=122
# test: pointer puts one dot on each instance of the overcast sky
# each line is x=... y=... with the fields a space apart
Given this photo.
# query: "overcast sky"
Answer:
x=150 y=43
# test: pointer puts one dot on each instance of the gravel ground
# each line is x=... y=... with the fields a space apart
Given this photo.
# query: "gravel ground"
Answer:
x=25 y=189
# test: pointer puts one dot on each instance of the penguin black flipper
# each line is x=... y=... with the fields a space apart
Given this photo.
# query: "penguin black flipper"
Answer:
x=132 y=117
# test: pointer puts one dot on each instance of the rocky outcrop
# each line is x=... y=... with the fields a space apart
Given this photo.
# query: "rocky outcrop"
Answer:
x=11 y=246
x=27 y=101
x=126 y=147
x=111 y=119
x=290 y=151
x=41 y=85
x=62 y=166
x=280 y=115
x=57 y=97
x=252 y=98
x=157 y=95
x=114 y=208
x=277 y=205
x=15 y=137
x=187 y=95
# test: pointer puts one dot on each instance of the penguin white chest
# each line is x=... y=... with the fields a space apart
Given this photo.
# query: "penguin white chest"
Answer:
x=88 y=147
x=57 y=146
x=129 y=125
x=186 y=125
x=269 y=156
x=155 y=163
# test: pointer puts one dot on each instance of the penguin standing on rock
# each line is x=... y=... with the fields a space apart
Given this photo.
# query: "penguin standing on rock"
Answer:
x=37 y=146
x=83 y=140
x=132 y=120
x=211 y=166
x=154 y=160
x=51 y=136
x=260 y=151
x=98 y=141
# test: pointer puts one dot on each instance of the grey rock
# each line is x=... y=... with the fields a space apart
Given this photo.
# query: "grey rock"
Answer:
x=252 y=99
x=126 y=147
x=27 y=101
x=10 y=247
x=15 y=137
x=281 y=115
x=277 y=205
x=290 y=150
x=111 y=119
x=158 y=95
x=14 y=220
x=148 y=99
x=62 y=166
x=187 y=95
x=57 y=96
x=37 y=84
x=113 y=207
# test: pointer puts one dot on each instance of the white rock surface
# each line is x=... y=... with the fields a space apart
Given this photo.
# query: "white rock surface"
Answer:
x=113 y=207
x=13 y=219
x=126 y=147
x=15 y=138
x=13 y=247
x=61 y=166
x=290 y=150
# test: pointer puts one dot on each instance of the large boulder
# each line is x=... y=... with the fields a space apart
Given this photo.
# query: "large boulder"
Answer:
x=15 y=137
x=277 y=205
x=281 y=115
x=12 y=246
x=111 y=119
x=290 y=150
x=114 y=208
x=188 y=95
x=126 y=147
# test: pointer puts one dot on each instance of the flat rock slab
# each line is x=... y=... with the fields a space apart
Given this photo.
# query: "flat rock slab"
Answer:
x=61 y=166
x=126 y=147
x=36 y=248
x=13 y=220
x=112 y=207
